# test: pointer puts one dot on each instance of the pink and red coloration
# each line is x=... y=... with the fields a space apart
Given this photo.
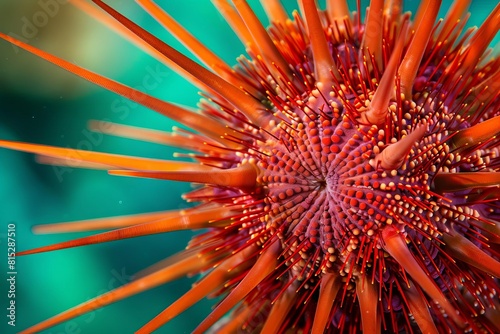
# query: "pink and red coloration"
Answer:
x=348 y=172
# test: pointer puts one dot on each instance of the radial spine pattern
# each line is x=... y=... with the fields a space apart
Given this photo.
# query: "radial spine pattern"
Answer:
x=348 y=171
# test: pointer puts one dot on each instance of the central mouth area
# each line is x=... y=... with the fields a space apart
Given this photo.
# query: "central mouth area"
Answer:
x=318 y=177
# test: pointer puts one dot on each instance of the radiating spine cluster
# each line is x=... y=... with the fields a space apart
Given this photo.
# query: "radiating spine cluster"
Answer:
x=348 y=171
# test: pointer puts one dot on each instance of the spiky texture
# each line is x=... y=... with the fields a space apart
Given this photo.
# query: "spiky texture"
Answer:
x=349 y=172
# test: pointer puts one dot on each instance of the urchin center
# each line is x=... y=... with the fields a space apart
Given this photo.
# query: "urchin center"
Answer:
x=331 y=184
x=316 y=179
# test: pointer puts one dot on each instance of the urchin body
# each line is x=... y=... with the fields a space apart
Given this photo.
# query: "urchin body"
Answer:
x=349 y=173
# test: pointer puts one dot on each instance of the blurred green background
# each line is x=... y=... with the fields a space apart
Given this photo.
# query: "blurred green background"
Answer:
x=42 y=104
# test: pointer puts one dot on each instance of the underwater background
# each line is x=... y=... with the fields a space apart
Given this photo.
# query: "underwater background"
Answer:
x=41 y=103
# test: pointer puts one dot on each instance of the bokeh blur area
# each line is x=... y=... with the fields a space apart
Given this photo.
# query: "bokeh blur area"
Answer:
x=41 y=103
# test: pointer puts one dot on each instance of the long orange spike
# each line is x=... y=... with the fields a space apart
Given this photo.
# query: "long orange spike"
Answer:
x=194 y=45
x=180 y=268
x=113 y=25
x=105 y=223
x=338 y=10
x=372 y=38
x=490 y=229
x=420 y=310
x=244 y=177
x=197 y=122
x=212 y=281
x=452 y=182
x=480 y=42
x=269 y=51
x=476 y=134
x=265 y=264
x=199 y=249
x=203 y=53
x=453 y=15
x=235 y=21
x=275 y=11
x=420 y=14
x=249 y=106
x=463 y=249
x=413 y=57
x=339 y=15
x=394 y=155
x=214 y=217
x=328 y=289
x=64 y=162
x=324 y=64
x=236 y=322
x=395 y=244
x=386 y=90
x=280 y=309
x=368 y=300
x=178 y=138
x=392 y=10
x=134 y=132
x=189 y=142
x=115 y=160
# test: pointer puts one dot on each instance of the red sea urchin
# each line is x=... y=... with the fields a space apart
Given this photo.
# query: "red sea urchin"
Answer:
x=348 y=172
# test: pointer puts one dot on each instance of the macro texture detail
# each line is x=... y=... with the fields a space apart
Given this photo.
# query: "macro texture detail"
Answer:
x=347 y=171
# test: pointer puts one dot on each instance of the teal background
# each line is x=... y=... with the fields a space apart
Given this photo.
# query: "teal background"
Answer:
x=42 y=104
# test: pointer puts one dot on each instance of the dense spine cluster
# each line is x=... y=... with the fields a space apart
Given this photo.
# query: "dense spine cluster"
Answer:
x=348 y=171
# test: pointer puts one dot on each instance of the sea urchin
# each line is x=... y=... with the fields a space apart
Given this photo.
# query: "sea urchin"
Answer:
x=348 y=171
